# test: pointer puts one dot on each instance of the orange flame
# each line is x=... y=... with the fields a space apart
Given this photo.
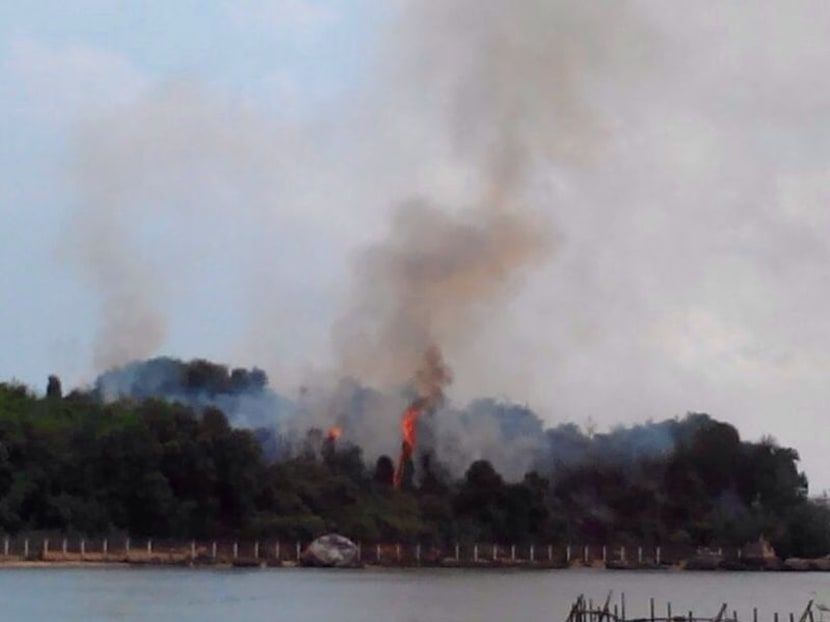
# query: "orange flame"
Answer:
x=408 y=427
x=334 y=432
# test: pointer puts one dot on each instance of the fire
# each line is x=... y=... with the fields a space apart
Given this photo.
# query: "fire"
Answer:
x=334 y=432
x=408 y=427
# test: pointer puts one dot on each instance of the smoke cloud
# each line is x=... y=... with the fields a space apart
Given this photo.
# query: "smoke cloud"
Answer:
x=508 y=84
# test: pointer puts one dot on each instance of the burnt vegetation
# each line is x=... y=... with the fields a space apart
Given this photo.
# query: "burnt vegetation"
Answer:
x=79 y=463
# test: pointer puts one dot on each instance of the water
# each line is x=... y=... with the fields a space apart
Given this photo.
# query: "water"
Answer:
x=295 y=595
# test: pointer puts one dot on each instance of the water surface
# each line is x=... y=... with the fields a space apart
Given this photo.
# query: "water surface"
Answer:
x=422 y=595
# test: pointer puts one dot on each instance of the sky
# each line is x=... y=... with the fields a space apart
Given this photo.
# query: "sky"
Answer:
x=196 y=179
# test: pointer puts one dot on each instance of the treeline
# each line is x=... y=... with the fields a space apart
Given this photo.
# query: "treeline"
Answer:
x=151 y=467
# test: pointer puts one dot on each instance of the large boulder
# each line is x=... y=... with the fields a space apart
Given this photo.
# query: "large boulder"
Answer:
x=332 y=551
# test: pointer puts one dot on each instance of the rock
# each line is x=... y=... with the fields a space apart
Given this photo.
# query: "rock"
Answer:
x=705 y=560
x=331 y=551
x=794 y=563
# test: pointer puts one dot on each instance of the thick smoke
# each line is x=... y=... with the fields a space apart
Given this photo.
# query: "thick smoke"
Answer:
x=507 y=83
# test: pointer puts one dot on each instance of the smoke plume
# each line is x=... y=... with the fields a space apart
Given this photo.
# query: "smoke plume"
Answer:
x=507 y=83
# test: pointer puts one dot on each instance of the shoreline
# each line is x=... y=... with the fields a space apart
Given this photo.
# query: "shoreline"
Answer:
x=75 y=562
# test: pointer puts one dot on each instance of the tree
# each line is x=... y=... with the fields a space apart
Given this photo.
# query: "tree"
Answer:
x=53 y=388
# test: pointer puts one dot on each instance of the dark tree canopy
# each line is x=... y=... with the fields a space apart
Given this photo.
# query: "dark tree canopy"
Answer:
x=151 y=467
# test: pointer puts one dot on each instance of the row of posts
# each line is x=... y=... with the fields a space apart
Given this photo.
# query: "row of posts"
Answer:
x=494 y=549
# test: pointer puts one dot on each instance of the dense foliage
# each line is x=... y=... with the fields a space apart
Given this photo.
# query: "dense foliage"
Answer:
x=153 y=467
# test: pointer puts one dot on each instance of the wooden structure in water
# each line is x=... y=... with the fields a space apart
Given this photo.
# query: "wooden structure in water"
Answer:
x=585 y=610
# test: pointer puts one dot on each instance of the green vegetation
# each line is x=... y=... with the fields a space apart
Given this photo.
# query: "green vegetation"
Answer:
x=150 y=467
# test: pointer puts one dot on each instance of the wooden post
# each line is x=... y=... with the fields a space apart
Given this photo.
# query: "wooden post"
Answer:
x=532 y=553
x=83 y=547
x=193 y=549
x=775 y=617
x=213 y=550
x=418 y=553
x=668 y=611
x=622 y=553
x=755 y=614
x=105 y=546
x=398 y=552
x=277 y=550
x=46 y=546
x=236 y=550
x=256 y=549
x=639 y=555
x=657 y=555
x=604 y=554
x=586 y=554
x=457 y=552
x=651 y=608
x=6 y=546
x=495 y=551
x=622 y=605
x=512 y=552
x=63 y=547
x=568 y=553
x=377 y=552
x=475 y=552
x=298 y=551
x=26 y=550
x=550 y=552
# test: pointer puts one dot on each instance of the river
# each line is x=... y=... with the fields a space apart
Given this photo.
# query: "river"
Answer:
x=422 y=595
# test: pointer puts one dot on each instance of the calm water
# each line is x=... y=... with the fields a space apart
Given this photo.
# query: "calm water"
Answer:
x=288 y=595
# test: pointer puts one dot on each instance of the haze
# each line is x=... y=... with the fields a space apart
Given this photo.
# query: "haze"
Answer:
x=209 y=182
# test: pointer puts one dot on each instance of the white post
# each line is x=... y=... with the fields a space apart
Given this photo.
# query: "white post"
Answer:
x=213 y=550
x=475 y=552
x=149 y=546
x=457 y=552
x=236 y=550
x=532 y=553
x=256 y=549
x=512 y=552
x=105 y=546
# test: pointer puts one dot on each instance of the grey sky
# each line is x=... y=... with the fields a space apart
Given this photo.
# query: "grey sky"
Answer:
x=246 y=153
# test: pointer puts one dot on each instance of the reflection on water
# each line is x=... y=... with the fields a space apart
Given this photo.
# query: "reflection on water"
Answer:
x=294 y=595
